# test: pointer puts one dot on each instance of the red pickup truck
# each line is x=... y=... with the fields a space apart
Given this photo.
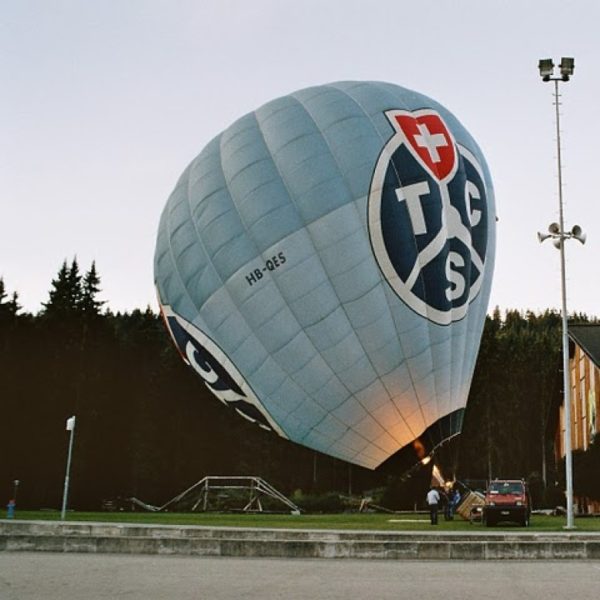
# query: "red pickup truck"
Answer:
x=507 y=500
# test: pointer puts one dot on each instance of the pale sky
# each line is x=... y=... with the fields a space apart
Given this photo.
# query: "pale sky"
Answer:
x=104 y=103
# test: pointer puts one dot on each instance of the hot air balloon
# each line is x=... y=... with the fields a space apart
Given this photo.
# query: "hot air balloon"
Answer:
x=325 y=264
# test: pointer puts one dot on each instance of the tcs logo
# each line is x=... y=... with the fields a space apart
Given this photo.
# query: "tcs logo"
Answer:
x=428 y=217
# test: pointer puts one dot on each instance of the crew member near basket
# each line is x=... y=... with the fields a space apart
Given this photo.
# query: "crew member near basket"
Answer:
x=433 y=501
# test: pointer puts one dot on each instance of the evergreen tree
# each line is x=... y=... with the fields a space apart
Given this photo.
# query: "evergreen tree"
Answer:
x=65 y=295
x=8 y=308
x=3 y=294
x=90 y=305
x=75 y=286
x=13 y=304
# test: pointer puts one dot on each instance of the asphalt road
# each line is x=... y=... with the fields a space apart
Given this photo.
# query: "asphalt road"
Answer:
x=37 y=576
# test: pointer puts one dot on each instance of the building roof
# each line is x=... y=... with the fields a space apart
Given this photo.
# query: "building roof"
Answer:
x=588 y=338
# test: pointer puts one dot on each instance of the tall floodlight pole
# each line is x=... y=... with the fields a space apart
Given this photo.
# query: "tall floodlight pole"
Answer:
x=71 y=429
x=557 y=232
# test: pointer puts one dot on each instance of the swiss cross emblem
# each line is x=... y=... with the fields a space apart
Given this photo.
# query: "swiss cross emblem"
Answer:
x=428 y=139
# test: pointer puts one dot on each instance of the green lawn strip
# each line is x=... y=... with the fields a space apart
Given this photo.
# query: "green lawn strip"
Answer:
x=358 y=521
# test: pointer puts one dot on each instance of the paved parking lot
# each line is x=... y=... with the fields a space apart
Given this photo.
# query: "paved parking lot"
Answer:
x=32 y=576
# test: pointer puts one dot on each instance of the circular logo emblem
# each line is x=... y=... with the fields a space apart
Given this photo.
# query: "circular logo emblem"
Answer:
x=428 y=217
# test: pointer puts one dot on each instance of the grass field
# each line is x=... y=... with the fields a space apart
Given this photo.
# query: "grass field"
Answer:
x=365 y=521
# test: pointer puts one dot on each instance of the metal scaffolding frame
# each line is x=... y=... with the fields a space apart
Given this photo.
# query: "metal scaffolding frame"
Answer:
x=198 y=495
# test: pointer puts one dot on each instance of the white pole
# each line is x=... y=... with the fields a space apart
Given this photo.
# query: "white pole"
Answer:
x=565 y=334
x=71 y=430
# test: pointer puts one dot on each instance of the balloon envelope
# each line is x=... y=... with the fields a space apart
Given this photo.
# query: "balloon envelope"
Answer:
x=325 y=265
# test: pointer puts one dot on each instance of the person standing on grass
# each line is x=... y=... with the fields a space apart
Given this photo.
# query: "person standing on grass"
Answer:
x=433 y=502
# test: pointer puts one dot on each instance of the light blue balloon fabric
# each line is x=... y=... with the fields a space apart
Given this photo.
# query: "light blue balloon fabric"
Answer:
x=283 y=288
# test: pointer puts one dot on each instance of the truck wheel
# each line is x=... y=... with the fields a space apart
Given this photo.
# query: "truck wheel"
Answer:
x=490 y=522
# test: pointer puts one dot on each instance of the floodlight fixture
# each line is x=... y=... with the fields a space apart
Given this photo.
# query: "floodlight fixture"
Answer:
x=567 y=66
x=546 y=67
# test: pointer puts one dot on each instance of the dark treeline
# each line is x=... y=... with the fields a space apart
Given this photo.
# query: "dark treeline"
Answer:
x=148 y=427
x=512 y=416
x=146 y=424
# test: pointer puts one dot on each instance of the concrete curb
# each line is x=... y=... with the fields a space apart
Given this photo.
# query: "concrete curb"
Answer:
x=52 y=536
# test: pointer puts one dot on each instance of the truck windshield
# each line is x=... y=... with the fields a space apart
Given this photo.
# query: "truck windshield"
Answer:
x=506 y=487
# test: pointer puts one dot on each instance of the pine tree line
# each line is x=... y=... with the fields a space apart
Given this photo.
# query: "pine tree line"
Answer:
x=148 y=427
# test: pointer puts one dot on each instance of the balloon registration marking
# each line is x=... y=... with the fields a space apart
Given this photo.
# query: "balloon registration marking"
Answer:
x=429 y=235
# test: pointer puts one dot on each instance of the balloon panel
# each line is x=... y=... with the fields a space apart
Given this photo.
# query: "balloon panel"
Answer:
x=325 y=264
